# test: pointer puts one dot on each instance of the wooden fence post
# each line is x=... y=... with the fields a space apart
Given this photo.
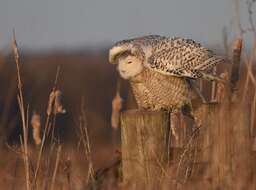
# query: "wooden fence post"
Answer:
x=144 y=147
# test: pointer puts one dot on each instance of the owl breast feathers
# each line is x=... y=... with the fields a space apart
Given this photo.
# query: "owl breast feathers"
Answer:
x=154 y=91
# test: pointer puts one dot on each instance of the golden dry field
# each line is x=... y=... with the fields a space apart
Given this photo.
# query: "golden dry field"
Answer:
x=64 y=117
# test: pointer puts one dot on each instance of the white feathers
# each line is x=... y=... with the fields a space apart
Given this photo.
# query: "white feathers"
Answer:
x=113 y=52
x=129 y=66
x=118 y=50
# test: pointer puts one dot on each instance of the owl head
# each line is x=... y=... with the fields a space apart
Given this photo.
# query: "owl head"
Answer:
x=129 y=62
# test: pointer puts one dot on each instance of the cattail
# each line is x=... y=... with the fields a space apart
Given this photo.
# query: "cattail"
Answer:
x=117 y=104
x=55 y=105
x=50 y=103
x=36 y=126
x=237 y=50
x=58 y=104
x=116 y=108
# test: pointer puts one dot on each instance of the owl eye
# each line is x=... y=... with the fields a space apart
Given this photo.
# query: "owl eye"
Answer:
x=129 y=62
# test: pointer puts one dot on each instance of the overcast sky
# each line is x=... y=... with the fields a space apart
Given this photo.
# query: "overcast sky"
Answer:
x=44 y=24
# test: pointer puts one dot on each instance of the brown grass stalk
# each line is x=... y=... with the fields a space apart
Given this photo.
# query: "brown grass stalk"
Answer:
x=22 y=110
x=48 y=159
x=47 y=127
x=56 y=167
x=86 y=143
x=250 y=78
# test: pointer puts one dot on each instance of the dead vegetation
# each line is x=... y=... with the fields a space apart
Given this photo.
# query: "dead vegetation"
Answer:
x=219 y=155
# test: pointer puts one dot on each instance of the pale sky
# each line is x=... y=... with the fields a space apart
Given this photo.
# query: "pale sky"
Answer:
x=46 y=24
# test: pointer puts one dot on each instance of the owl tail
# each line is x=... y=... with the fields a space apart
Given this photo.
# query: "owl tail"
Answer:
x=211 y=62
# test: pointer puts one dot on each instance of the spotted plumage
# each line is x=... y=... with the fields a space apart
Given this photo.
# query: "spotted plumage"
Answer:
x=154 y=91
x=172 y=56
x=159 y=69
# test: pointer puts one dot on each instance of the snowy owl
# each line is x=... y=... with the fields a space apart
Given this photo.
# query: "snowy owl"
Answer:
x=161 y=70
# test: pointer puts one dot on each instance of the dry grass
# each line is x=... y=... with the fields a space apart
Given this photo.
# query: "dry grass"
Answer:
x=227 y=162
x=218 y=156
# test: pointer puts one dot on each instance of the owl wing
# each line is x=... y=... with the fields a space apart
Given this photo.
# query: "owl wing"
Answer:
x=182 y=58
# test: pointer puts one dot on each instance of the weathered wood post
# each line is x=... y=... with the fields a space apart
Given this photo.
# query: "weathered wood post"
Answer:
x=144 y=147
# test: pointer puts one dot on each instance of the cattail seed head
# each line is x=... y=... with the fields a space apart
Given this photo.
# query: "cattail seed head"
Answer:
x=36 y=127
x=116 y=108
x=54 y=104
x=58 y=104
x=50 y=103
